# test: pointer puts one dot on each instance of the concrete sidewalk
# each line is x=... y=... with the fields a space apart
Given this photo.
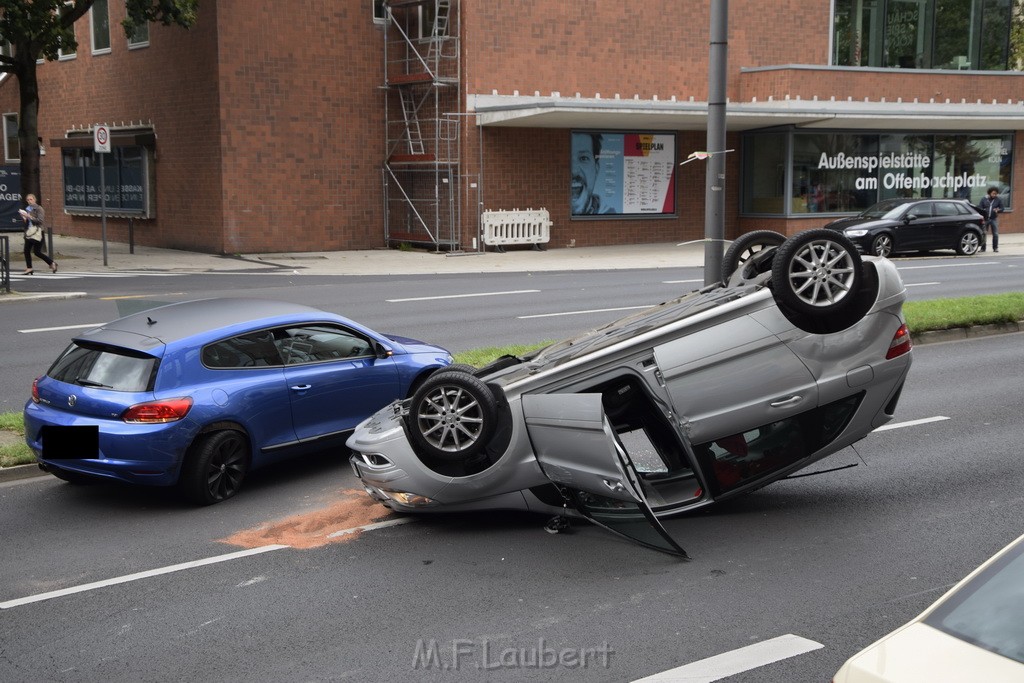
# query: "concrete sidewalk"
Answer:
x=78 y=254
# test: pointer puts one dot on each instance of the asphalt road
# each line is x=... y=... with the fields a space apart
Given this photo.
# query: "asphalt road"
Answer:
x=460 y=312
x=838 y=559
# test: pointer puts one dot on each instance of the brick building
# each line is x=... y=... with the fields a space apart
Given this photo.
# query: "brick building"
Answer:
x=353 y=124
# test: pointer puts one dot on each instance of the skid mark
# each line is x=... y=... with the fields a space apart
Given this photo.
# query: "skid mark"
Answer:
x=315 y=529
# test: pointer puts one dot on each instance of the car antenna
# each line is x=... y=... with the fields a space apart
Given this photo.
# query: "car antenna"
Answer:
x=150 y=321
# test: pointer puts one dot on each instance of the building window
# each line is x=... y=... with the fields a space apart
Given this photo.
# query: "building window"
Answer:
x=380 y=14
x=126 y=179
x=139 y=37
x=70 y=52
x=927 y=34
x=100 y=22
x=799 y=173
x=12 y=148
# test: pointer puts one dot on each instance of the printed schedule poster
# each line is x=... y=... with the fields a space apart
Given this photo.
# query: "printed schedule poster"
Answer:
x=622 y=173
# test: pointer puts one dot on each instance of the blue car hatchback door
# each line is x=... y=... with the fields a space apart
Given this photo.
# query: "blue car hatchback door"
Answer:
x=197 y=394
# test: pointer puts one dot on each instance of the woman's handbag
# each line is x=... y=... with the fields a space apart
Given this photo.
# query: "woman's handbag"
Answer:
x=34 y=232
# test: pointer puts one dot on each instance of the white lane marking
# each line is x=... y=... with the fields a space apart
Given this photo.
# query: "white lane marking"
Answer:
x=912 y=423
x=140 y=575
x=950 y=265
x=593 y=310
x=462 y=296
x=371 y=527
x=679 y=282
x=191 y=565
x=737 y=661
x=58 y=329
x=920 y=284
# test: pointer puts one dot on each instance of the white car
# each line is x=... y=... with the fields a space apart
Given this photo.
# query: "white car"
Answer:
x=975 y=632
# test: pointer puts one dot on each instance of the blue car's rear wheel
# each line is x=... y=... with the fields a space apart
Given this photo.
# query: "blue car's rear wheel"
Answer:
x=452 y=416
x=215 y=467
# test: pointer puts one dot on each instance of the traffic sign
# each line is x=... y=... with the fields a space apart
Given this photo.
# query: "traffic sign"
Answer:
x=101 y=138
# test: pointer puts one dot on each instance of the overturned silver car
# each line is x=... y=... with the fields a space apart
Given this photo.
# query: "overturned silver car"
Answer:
x=803 y=351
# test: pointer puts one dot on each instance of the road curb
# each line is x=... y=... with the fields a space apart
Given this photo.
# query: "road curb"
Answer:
x=19 y=472
x=14 y=297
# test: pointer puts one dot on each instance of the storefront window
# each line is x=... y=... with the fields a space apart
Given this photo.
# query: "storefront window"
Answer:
x=927 y=34
x=125 y=181
x=834 y=172
x=824 y=180
x=764 y=173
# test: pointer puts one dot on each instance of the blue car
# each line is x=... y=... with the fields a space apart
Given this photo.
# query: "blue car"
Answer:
x=196 y=394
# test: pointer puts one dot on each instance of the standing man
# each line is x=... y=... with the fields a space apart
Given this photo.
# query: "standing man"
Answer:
x=991 y=207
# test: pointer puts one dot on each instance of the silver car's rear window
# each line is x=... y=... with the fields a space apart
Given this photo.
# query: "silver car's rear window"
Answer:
x=107 y=367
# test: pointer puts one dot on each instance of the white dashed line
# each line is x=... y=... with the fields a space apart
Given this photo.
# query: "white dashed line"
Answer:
x=736 y=661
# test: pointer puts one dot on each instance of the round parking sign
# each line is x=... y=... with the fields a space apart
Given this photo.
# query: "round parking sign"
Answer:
x=101 y=139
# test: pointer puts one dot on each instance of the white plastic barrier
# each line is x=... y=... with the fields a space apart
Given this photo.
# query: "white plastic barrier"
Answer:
x=517 y=227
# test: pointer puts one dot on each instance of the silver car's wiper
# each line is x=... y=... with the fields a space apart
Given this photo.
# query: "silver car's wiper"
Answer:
x=91 y=383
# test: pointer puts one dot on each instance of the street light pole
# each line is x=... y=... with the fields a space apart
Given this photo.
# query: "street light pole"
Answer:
x=714 y=194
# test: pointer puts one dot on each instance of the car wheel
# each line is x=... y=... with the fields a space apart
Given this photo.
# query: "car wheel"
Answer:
x=882 y=245
x=968 y=244
x=215 y=467
x=452 y=416
x=817 y=272
x=458 y=367
x=747 y=246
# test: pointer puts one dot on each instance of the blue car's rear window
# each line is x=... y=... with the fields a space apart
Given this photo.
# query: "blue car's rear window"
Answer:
x=107 y=367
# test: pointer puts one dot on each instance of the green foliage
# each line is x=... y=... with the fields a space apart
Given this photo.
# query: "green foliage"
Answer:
x=947 y=314
x=15 y=454
x=481 y=357
x=12 y=422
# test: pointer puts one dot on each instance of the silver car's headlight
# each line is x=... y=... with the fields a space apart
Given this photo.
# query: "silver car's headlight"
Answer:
x=855 y=232
x=409 y=499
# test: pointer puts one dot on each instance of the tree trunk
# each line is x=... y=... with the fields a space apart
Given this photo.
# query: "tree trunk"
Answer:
x=28 y=128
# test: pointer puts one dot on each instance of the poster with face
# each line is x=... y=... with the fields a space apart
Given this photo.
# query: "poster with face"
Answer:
x=624 y=174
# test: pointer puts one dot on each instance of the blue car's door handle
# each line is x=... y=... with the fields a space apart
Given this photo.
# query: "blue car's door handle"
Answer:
x=301 y=387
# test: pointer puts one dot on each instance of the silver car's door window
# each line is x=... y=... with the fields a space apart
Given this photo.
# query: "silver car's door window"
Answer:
x=578 y=450
x=734 y=376
x=729 y=463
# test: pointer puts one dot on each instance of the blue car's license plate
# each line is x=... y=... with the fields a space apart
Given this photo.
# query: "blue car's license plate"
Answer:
x=81 y=442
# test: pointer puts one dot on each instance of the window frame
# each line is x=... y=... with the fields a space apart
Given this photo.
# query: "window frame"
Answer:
x=134 y=42
x=93 y=15
x=9 y=116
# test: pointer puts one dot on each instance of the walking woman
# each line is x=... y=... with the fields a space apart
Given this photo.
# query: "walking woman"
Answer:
x=35 y=218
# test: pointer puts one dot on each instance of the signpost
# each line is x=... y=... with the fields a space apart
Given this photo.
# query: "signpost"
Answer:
x=101 y=145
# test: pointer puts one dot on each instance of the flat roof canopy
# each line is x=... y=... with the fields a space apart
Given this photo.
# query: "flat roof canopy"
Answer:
x=576 y=112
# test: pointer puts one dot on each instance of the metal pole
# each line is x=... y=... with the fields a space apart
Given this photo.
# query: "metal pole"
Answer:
x=714 y=194
x=103 y=205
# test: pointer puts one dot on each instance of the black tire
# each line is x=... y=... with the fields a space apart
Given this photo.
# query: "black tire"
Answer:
x=215 y=467
x=458 y=367
x=882 y=245
x=968 y=243
x=452 y=416
x=748 y=246
x=817 y=272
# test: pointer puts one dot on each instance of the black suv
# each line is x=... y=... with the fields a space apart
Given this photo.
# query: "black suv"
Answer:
x=901 y=225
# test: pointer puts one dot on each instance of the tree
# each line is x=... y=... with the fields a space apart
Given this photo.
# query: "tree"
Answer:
x=37 y=29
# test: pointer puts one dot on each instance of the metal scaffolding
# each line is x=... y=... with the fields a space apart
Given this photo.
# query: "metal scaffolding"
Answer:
x=421 y=80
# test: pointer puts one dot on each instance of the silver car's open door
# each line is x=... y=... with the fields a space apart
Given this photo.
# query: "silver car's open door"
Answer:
x=578 y=450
